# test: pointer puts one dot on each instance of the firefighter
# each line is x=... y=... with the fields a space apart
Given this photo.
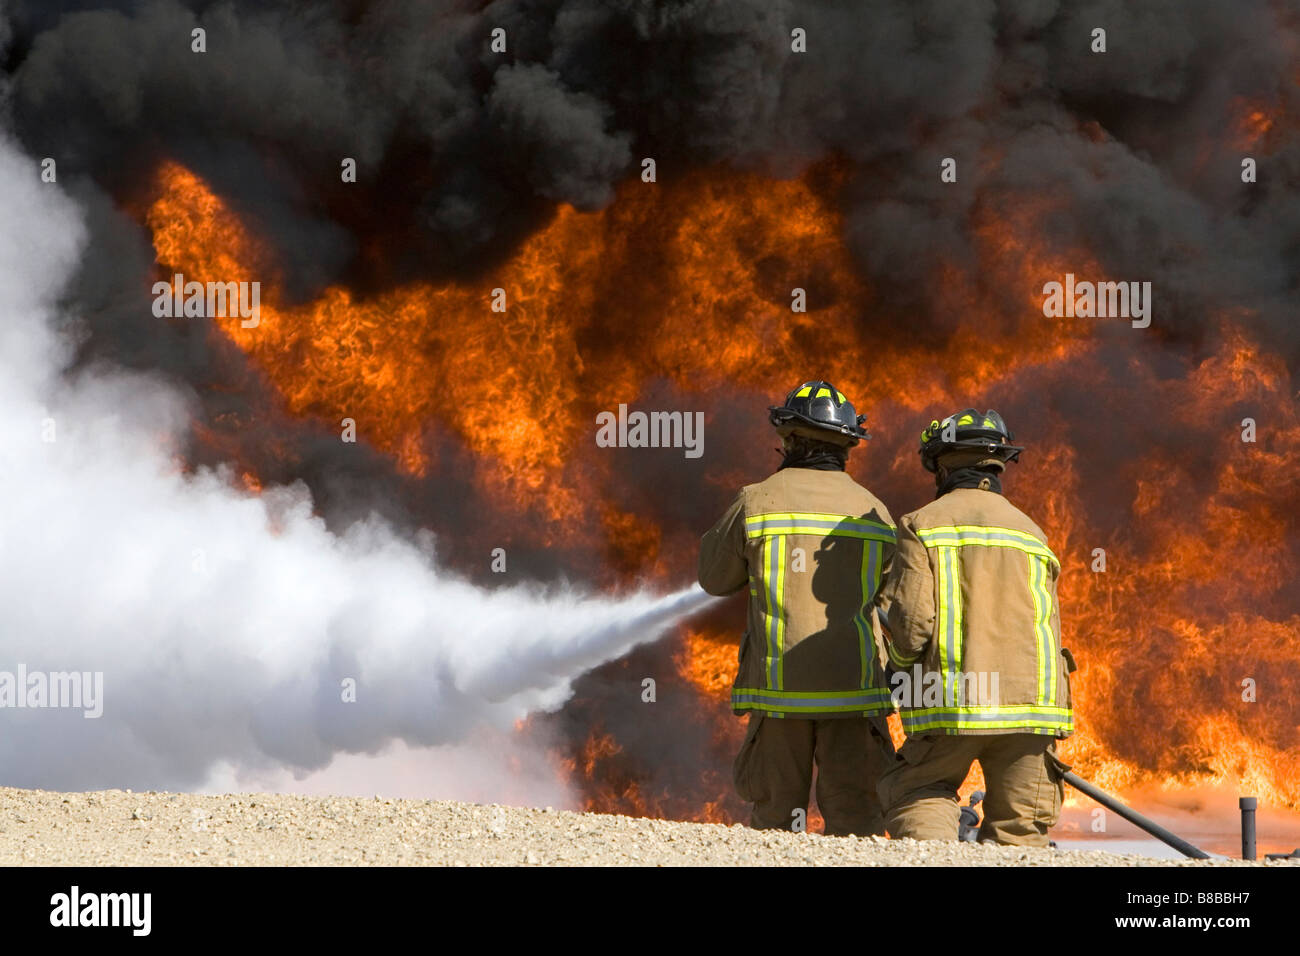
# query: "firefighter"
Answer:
x=974 y=647
x=812 y=546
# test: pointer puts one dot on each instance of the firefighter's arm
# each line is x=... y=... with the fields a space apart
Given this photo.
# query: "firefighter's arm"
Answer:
x=907 y=599
x=1070 y=665
x=723 y=569
x=879 y=609
x=886 y=551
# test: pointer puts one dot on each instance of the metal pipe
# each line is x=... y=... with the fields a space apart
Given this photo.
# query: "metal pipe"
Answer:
x=1247 y=805
x=1135 y=818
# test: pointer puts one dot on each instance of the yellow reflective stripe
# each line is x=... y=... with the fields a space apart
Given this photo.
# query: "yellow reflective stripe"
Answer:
x=825 y=532
x=871 y=700
x=877 y=563
x=813 y=516
x=957 y=651
x=974 y=531
x=989 y=536
x=817 y=523
x=774 y=625
x=1053 y=644
x=780 y=611
x=769 y=622
x=870 y=587
x=943 y=618
x=1047 y=663
x=773 y=554
x=898 y=659
x=950 y=619
x=1039 y=655
x=977 y=710
x=862 y=620
x=804 y=696
x=986 y=541
x=804 y=392
x=1038 y=723
x=1024 y=718
x=865 y=707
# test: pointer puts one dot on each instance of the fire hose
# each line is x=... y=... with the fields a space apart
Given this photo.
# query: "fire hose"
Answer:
x=1128 y=813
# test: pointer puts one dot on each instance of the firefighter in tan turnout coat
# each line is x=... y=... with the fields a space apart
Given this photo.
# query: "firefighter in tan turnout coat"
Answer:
x=811 y=545
x=974 y=647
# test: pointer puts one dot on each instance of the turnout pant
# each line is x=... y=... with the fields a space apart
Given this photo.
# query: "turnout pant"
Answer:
x=1022 y=798
x=774 y=772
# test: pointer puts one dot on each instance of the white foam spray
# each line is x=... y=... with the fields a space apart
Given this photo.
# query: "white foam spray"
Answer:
x=226 y=625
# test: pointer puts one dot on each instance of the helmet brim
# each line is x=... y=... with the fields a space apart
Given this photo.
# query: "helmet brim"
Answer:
x=787 y=421
x=969 y=452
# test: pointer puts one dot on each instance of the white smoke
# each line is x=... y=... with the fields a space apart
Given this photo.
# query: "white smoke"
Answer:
x=225 y=624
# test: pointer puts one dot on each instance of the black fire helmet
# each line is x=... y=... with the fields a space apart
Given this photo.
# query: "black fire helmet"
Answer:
x=819 y=410
x=968 y=431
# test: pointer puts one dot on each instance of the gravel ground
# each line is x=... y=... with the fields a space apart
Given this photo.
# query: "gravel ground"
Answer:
x=120 y=828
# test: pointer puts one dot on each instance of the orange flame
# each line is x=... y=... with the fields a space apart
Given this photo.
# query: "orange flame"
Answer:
x=1187 y=609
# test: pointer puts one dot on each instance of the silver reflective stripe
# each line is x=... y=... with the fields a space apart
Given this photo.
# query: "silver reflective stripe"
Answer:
x=786 y=522
x=855 y=700
x=870 y=585
x=775 y=560
x=964 y=536
x=951 y=620
x=1035 y=726
x=1013 y=719
x=990 y=716
x=1042 y=627
x=773 y=649
x=1051 y=645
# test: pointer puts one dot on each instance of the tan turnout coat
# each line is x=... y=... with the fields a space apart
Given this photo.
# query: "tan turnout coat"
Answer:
x=812 y=546
x=974 y=628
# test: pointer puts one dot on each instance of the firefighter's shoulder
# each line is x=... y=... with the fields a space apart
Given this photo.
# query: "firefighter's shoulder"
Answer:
x=769 y=491
x=972 y=508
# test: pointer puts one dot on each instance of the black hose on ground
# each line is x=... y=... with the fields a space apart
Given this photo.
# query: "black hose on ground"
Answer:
x=1128 y=813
